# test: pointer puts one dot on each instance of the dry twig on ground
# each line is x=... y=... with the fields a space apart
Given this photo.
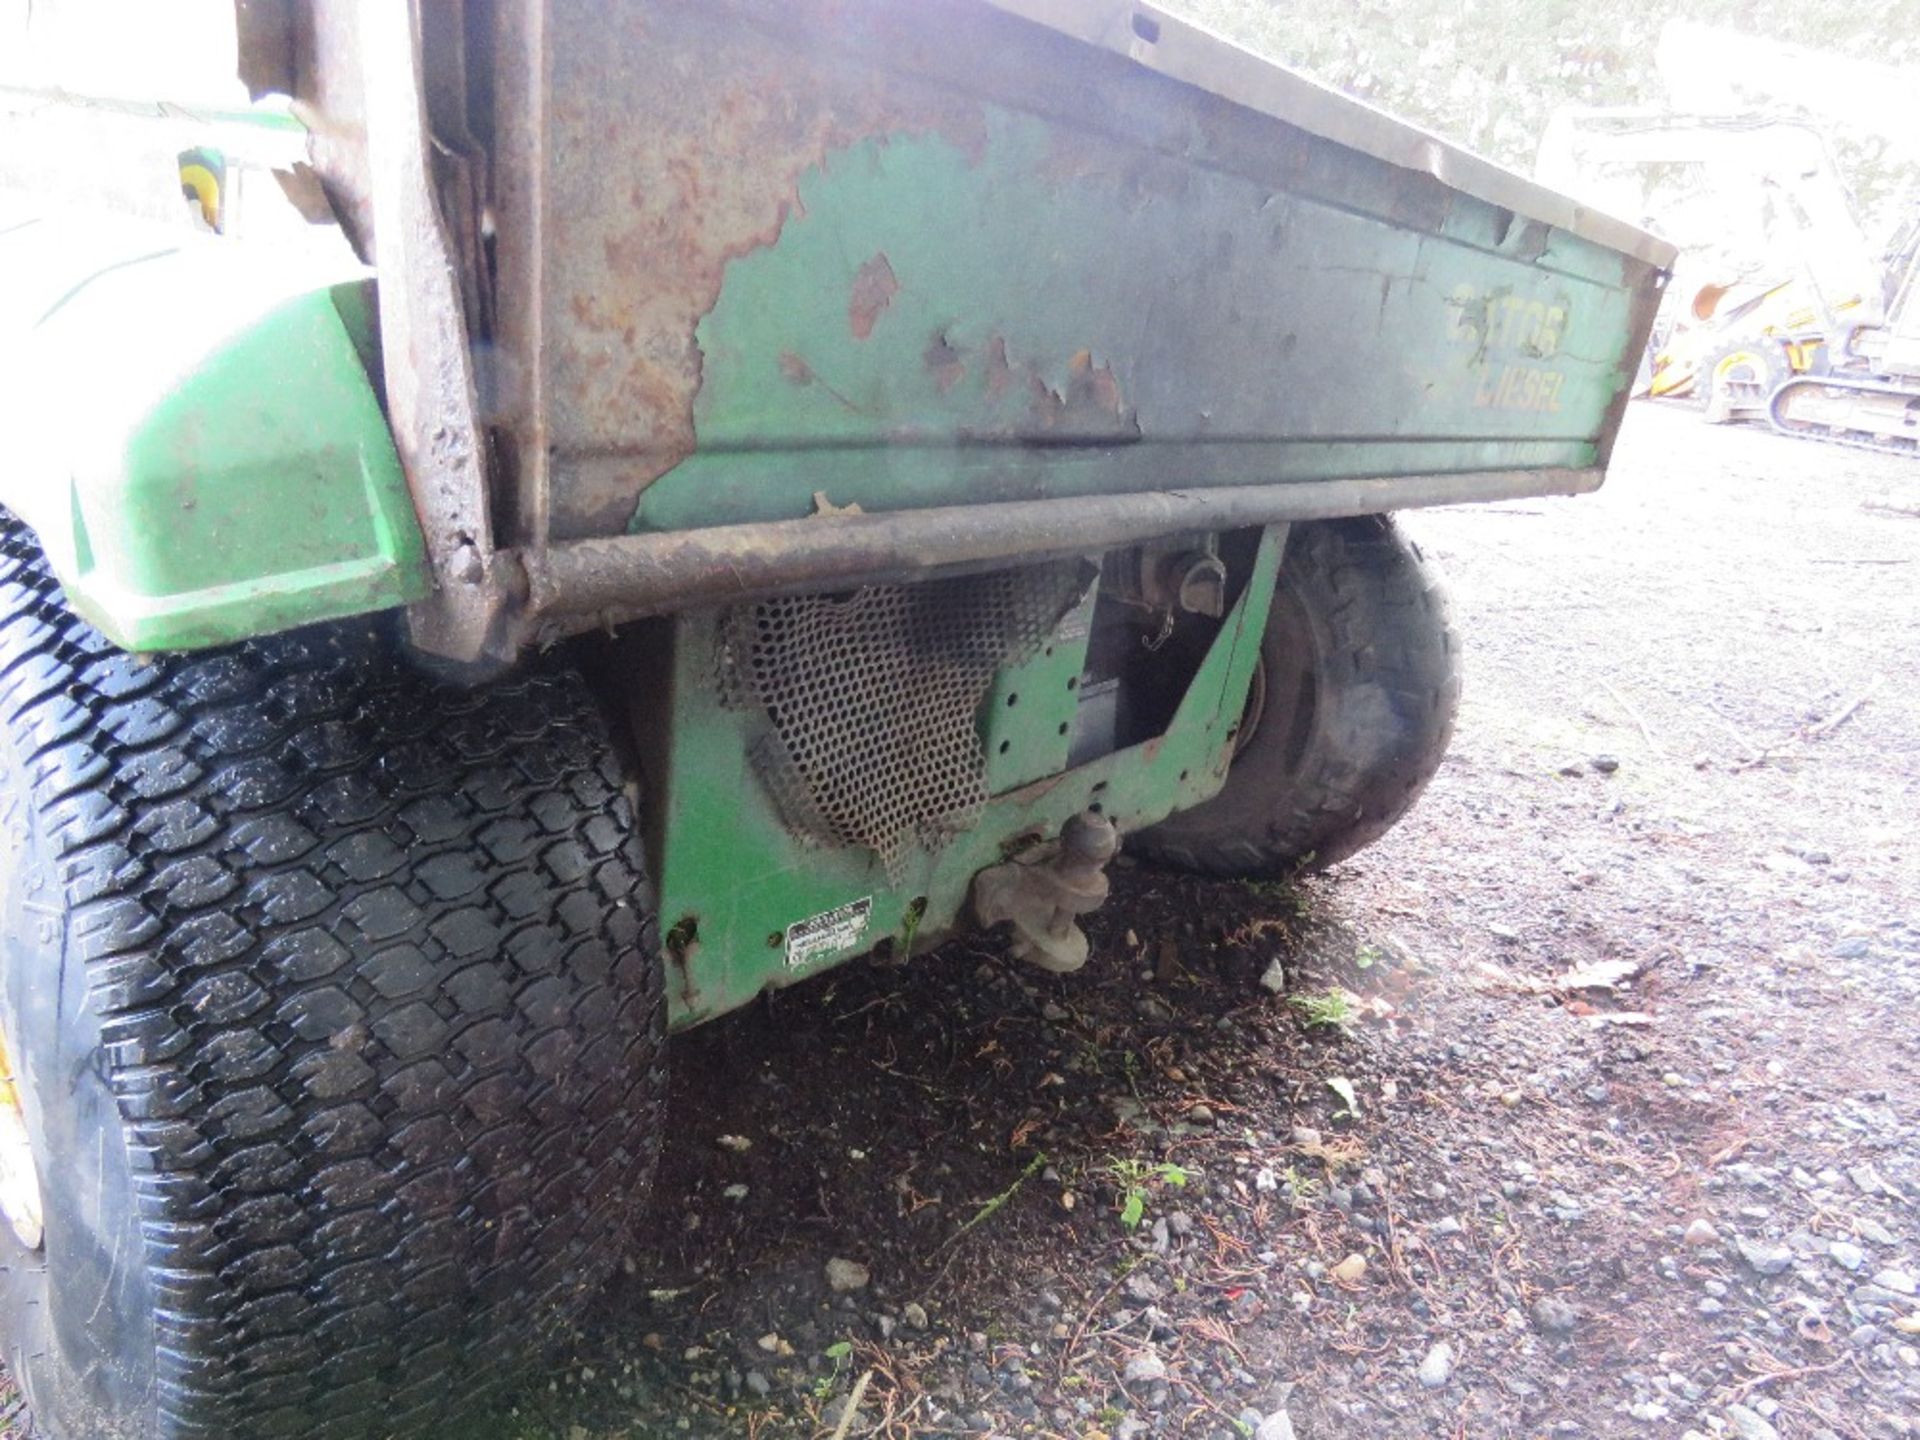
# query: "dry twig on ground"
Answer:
x=1653 y=746
x=1847 y=711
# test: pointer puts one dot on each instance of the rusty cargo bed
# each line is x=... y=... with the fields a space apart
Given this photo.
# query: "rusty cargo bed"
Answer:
x=681 y=286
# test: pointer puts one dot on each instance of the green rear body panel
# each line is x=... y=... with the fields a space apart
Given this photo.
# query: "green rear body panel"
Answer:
x=735 y=880
x=195 y=436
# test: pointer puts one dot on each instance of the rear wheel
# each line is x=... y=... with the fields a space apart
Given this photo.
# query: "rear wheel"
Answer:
x=332 y=1021
x=1738 y=379
x=1348 y=716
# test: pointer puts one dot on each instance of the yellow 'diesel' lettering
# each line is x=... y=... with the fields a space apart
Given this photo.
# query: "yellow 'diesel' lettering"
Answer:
x=1518 y=387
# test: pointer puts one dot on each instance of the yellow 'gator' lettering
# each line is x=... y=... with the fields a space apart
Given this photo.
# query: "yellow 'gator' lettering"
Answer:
x=1505 y=321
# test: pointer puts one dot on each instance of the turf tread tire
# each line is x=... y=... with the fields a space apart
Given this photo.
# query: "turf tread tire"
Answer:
x=365 y=971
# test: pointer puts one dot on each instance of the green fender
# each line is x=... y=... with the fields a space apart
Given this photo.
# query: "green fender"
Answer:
x=194 y=435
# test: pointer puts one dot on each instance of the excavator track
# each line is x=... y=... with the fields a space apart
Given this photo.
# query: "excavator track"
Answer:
x=1837 y=410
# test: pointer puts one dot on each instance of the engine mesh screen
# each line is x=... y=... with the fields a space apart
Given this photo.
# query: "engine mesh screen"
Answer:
x=873 y=697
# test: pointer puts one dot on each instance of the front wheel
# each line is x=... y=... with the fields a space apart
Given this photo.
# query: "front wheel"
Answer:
x=332 y=1028
x=1349 y=714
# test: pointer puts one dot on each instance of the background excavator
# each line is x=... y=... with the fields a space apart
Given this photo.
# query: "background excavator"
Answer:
x=1782 y=308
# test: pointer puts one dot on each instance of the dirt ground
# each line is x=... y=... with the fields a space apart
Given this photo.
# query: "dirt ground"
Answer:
x=1610 y=1126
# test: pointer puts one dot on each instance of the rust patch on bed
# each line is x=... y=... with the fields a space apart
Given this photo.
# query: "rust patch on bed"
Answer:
x=874 y=286
x=1090 y=406
x=948 y=366
x=999 y=370
x=661 y=175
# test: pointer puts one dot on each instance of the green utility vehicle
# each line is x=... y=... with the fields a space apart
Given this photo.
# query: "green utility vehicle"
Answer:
x=531 y=522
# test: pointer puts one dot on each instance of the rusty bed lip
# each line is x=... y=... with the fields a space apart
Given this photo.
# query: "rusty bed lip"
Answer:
x=588 y=583
x=1189 y=52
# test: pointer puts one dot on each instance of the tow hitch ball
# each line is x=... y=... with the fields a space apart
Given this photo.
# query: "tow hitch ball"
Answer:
x=1045 y=891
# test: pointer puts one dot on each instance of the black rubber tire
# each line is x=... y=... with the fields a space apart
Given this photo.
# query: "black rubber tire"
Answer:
x=1360 y=667
x=337 y=1000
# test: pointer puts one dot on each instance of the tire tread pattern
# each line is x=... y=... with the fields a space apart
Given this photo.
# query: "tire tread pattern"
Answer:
x=1389 y=690
x=374 y=965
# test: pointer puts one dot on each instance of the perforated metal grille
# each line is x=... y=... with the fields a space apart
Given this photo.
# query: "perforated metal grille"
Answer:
x=873 y=699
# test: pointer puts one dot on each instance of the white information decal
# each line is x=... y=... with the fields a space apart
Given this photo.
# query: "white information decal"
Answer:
x=829 y=932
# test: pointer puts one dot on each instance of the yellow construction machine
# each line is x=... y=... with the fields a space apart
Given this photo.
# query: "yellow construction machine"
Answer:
x=1781 y=310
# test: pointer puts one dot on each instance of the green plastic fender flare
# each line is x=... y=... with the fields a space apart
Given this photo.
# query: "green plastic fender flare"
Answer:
x=194 y=435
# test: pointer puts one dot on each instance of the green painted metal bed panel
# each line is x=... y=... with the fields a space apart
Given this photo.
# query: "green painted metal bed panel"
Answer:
x=895 y=350
x=817 y=248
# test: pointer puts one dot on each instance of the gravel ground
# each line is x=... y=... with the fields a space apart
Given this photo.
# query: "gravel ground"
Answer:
x=1587 y=1104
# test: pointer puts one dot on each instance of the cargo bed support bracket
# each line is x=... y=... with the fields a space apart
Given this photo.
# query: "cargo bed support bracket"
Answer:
x=432 y=401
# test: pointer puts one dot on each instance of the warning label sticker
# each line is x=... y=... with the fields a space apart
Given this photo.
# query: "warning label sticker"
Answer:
x=829 y=932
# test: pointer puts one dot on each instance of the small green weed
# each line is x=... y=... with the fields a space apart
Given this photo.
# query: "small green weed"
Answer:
x=910 y=924
x=1333 y=1009
x=989 y=1207
x=1136 y=1178
x=839 y=1352
x=1281 y=893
